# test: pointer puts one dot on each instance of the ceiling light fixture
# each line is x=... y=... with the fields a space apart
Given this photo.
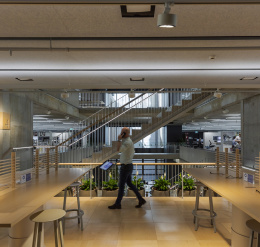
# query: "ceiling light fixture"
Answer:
x=166 y=19
x=249 y=78
x=67 y=117
x=48 y=112
x=225 y=111
x=136 y=79
x=24 y=79
x=218 y=94
x=65 y=95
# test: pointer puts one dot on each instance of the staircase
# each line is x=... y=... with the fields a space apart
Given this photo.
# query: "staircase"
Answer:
x=126 y=115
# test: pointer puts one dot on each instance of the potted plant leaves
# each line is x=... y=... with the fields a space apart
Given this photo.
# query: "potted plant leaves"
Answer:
x=188 y=185
x=110 y=187
x=138 y=183
x=161 y=187
x=85 y=188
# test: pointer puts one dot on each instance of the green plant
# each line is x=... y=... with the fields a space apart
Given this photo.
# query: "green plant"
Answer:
x=161 y=184
x=188 y=182
x=86 y=184
x=111 y=184
x=138 y=183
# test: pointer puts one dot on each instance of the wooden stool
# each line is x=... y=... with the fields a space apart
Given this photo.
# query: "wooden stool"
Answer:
x=195 y=212
x=78 y=210
x=254 y=226
x=44 y=216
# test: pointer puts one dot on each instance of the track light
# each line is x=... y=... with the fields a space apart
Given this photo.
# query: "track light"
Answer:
x=225 y=111
x=67 y=117
x=65 y=95
x=218 y=94
x=166 y=19
x=48 y=112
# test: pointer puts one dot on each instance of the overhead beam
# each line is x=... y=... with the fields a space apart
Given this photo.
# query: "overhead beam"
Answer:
x=128 y=1
x=227 y=100
x=52 y=103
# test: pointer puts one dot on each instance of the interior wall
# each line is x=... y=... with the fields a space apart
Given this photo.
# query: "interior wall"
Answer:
x=21 y=128
x=250 y=131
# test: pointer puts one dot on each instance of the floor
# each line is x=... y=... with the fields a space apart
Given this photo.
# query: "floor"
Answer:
x=161 y=222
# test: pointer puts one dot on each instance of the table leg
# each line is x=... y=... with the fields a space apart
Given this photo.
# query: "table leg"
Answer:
x=21 y=234
x=240 y=232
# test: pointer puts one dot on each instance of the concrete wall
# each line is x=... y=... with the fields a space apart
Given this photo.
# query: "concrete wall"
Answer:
x=196 y=155
x=21 y=129
x=250 y=131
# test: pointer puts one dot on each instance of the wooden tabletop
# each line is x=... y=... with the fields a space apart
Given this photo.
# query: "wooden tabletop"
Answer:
x=239 y=192
x=26 y=198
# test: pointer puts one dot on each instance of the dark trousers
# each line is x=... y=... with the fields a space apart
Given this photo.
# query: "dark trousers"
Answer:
x=126 y=178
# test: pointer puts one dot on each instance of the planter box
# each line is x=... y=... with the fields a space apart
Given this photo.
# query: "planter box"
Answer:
x=157 y=193
x=107 y=193
x=187 y=193
x=131 y=193
x=61 y=194
x=86 y=193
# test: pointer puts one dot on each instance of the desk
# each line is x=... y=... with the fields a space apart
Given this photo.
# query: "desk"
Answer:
x=18 y=204
x=243 y=196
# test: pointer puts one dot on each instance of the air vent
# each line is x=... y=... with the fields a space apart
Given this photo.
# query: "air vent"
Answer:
x=137 y=79
x=24 y=79
x=130 y=12
x=249 y=78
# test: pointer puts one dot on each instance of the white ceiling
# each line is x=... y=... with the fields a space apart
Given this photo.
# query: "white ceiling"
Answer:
x=138 y=48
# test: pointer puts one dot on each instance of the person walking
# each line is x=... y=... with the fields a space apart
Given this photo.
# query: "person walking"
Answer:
x=126 y=147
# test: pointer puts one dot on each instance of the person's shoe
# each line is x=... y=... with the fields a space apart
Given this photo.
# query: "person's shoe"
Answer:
x=141 y=203
x=114 y=206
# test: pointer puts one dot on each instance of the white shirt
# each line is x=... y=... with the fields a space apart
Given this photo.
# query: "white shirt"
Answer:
x=127 y=151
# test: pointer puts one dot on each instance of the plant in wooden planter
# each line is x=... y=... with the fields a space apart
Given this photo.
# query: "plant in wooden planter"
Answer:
x=188 y=185
x=161 y=187
x=110 y=188
x=85 y=188
x=139 y=184
x=69 y=192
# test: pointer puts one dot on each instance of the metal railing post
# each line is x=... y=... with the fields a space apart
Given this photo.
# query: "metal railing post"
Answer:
x=37 y=163
x=13 y=169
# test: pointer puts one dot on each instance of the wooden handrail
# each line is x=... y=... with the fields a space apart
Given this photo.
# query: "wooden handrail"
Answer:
x=177 y=164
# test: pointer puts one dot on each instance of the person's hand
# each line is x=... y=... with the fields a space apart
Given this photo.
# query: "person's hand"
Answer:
x=119 y=138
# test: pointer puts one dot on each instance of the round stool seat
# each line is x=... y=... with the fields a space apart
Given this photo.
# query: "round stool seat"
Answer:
x=47 y=215
x=75 y=184
x=253 y=225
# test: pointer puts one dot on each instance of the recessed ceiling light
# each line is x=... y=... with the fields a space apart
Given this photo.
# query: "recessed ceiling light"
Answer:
x=24 y=79
x=249 y=78
x=137 y=79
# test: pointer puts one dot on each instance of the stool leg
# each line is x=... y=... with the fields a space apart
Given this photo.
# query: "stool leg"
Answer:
x=65 y=198
x=196 y=223
x=39 y=237
x=64 y=208
x=197 y=202
x=56 y=233
x=60 y=233
x=251 y=239
x=77 y=189
x=35 y=234
x=213 y=222
x=258 y=240
x=79 y=213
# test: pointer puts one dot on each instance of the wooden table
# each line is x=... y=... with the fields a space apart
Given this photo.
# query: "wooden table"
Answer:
x=18 y=204
x=243 y=196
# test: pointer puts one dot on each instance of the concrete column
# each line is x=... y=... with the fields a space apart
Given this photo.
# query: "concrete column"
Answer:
x=250 y=130
x=21 y=127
